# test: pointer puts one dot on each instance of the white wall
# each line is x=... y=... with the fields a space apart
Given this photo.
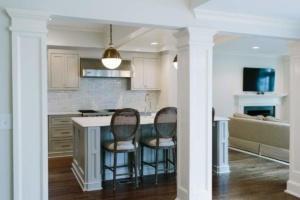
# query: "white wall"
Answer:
x=168 y=73
x=228 y=79
x=285 y=109
x=71 y=38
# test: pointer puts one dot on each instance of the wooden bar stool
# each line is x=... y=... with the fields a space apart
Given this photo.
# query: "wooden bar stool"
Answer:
x=165 y=126
x=124 y=125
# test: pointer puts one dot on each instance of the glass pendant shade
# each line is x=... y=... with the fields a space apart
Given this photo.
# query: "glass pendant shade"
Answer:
x=175 y=62
x=111 y=58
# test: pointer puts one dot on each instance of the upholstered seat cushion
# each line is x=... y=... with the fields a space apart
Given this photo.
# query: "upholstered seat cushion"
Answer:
x=163 y=142
x=122 y=145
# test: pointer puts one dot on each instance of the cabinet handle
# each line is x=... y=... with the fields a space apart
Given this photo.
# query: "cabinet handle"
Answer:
x=64 y=121
x=65 y=145
x=65 y=133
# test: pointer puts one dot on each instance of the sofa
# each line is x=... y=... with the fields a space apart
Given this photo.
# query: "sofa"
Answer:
x=266 y=136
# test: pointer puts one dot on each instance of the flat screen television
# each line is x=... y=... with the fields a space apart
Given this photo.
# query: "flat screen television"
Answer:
x=258 y=79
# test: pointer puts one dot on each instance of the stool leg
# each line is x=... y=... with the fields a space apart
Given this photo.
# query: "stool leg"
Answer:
x=115 y=170
x=142 y=160
x=175 y=161
x=167 y=159
x=156 y=165
x=103 y=165
x=135 y=168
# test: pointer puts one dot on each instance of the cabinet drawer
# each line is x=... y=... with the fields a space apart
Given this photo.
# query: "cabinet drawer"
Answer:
x=60 y=121
x=59 y=146
x=61 y=132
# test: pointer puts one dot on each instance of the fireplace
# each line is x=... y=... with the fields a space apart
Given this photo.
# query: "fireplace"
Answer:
x=259 y=102
x=260 y=110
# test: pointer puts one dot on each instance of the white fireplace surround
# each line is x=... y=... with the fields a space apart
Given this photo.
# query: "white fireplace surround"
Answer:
x=242 y=100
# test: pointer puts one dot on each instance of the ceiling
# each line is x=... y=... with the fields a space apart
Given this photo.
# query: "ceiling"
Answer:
x=232 y=44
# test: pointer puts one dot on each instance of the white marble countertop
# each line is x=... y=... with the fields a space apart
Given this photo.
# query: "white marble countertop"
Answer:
x=221 y=118
x=105 y=121
x=65 y=113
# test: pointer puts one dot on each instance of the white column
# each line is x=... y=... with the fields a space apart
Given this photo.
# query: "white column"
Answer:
x=29 y=75
x=293 y=184
x=194 y=113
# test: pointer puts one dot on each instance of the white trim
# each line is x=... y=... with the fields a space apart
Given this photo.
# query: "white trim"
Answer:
x=260 y=156
x=242 y=100
x=28 y=30
x=246 y=19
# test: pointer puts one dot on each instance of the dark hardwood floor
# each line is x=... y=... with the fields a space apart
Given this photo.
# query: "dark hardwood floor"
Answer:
x=251 y=177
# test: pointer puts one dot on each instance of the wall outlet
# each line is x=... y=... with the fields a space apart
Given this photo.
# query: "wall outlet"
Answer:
x=5 y=121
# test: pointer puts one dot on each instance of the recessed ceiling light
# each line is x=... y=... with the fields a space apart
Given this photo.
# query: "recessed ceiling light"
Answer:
x=50 y=18
x=154 y=43
x=255 y=47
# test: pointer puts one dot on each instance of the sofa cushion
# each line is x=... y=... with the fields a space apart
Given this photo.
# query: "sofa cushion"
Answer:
x=258 y=117
x=274 y=119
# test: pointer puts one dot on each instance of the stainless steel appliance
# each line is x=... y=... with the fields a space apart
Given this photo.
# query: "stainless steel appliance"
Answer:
x=91 y=67
x=97 y=113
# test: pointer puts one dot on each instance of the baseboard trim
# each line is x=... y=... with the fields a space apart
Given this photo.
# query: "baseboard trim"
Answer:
x=250 y=153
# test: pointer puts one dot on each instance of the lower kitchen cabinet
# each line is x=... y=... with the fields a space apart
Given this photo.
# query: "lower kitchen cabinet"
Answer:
x=60 y=135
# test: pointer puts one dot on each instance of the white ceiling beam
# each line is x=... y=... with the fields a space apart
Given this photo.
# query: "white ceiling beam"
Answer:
x=196 y=3
x=132 y=36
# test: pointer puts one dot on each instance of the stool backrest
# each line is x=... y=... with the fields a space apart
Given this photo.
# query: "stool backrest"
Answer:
x=165 y=122
x=124 y=124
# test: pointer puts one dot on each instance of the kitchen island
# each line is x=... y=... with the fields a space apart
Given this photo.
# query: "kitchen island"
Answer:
x=89 y=131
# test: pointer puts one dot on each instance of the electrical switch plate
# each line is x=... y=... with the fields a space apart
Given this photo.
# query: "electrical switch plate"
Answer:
x=5 y=121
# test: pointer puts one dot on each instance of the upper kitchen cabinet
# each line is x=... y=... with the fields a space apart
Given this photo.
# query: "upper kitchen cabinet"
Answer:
x=63 y=73
x=146 y=74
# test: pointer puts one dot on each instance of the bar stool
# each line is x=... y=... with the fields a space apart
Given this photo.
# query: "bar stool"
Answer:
x=165 y=126
x=124 y=125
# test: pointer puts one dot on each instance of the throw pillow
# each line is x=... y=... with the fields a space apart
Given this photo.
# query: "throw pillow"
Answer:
x=258 y=117
x=274 y=119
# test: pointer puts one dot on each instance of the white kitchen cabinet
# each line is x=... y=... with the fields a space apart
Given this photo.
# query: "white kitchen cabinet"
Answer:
x=146 y=74
x=63 y=73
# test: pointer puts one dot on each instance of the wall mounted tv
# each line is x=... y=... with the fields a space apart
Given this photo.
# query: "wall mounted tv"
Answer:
x=258 y=79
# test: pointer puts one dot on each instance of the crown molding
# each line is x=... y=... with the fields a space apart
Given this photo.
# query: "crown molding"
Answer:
x=242 y=20
x=76 y=28
x=28 y=14
x=234 y=17
x=28 y=20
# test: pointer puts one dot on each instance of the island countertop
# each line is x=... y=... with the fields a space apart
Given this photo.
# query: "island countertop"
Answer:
x=105 y=121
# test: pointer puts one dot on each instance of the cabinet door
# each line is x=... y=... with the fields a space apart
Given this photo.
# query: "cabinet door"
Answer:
x=137 y=82
x=71 y=71
x=63 y=71
x=56 y=71
x=151 y=74
x=146 y=74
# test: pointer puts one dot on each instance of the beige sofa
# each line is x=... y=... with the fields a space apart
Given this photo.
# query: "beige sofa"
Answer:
x=256 y=135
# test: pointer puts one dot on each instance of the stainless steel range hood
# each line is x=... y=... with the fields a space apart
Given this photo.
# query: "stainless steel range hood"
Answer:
x=91 y=67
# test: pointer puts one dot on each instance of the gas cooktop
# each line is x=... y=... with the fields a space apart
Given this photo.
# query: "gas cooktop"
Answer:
x=96 y=113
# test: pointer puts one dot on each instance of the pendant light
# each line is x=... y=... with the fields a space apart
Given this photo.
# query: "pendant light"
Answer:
x=175 y=62
x=111 y=57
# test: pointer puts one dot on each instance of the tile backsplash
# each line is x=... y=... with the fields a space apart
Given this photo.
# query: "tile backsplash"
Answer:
x=100 y=93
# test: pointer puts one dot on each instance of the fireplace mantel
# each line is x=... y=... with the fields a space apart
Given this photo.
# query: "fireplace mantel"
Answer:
x=242 y=100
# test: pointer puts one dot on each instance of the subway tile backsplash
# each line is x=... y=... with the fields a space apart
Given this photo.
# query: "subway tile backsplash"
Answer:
x=100 y=93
